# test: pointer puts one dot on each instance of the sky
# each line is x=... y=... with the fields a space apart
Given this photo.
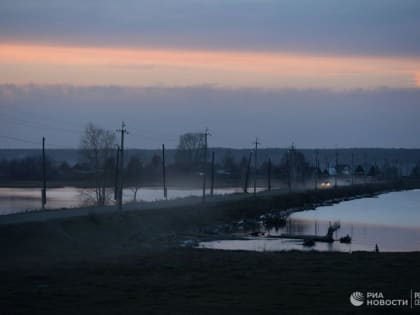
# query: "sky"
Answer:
x=317 y=73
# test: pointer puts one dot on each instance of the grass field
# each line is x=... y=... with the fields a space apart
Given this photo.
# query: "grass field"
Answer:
x=131 y=263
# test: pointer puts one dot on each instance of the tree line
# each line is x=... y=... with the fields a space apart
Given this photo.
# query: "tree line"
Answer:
x=97 y=166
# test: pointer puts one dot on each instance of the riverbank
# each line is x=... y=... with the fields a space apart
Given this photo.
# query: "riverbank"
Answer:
x=132 y=262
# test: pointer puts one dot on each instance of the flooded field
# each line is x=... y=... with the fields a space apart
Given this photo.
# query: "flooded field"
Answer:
x=14 y=200
x=391 y=221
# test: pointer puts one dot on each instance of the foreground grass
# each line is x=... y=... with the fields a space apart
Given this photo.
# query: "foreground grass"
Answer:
x=131 y=263
x=188 y=281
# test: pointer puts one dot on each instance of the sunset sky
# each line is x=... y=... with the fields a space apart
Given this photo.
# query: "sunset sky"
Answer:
x=308 y=66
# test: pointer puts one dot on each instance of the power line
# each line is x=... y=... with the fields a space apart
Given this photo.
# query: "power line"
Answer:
x=30 y=142
x=152 y=134
x=44 y=176
x=123 y=131
x=257 y=142
x=19 y=140
x=33 y=114
x=205 y=134
x=153 y=138
x=26 y=122
x=145 y=135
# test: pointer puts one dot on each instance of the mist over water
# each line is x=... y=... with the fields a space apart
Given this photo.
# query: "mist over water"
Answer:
x=391 y=220
x=16 y=200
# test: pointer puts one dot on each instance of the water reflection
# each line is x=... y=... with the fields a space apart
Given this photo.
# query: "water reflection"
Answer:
x=391 y=220
x=14 y=200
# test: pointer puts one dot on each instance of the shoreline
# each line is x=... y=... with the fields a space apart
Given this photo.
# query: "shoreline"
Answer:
x=172 y=221
x=113 y=262
x=264 y=197
x=267 y=200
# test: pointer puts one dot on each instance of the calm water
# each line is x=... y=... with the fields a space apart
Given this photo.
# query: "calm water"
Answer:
x=13 y=200
x=390 y=220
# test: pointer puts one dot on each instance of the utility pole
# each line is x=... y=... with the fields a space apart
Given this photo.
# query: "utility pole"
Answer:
x=269 y=175
x=212 y=175
x=291 y=174
x=117 y=163
x=316 y=169
x=289 y=170
x=165 y=189
x=206 y=134
x=123 y=132
x=399 y=168
x=336 y=169
x=255 y=165
x=352 y=168
x=247 y=173
x=44 y=176
x=365 y=168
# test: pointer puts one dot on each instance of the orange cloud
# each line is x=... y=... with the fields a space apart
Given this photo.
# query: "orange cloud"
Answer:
x=52 y=64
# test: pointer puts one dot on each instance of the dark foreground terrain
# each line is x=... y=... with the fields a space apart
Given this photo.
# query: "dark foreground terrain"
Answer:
x=131 y=263
x=188 y=281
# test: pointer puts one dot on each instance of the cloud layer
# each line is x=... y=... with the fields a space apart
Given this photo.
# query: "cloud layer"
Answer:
x=309 y=72
x=309 y=118
x=357 y=27
x=147 y=67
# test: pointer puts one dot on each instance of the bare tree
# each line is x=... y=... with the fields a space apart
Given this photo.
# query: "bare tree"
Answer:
x=190 y=150
x=96 y=145
x=134 y=170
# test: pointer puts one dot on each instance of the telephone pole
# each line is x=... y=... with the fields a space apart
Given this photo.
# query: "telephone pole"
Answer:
x=212 y=175
x=269 y=174
x=289 y=170
x=365 y=168
x=336 y=169
x=117 y=163
x=247 y=173
x=255 y=165
x=206 y=134
x=291 y=167
x=352 y=168
x=123 y=132
x=316 y=169
x=165 y=189
x=44 y=176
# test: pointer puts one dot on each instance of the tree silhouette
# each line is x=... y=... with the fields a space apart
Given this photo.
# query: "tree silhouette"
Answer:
x=96 y=146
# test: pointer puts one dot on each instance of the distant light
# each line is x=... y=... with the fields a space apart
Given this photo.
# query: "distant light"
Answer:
x=326 y=184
